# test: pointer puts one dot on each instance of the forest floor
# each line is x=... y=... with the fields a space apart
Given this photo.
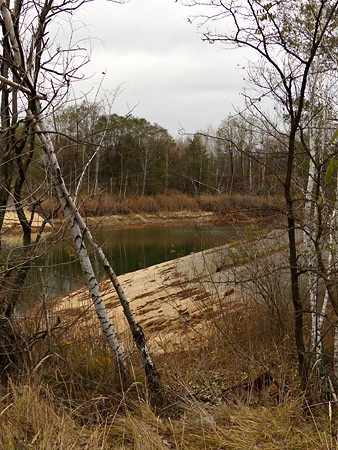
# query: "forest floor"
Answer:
x=225 y=355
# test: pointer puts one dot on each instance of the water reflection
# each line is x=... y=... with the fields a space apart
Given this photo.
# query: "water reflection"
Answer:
x=128 y=249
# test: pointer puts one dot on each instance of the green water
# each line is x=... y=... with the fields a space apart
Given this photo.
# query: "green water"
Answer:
x=127 y=249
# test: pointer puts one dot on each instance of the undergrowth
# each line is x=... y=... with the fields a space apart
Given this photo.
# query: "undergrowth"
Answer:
x=234 y=387
x=73 y=398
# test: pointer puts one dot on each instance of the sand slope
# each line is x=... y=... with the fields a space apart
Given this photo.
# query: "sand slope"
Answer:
x=175 y=300
x=11 y=222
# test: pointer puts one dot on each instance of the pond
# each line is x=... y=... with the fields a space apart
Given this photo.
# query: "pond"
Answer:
x=127 y=249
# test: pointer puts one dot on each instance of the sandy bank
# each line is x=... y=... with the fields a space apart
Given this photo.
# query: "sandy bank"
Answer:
x=176 y=300
x=12 y=231
x=170 y=218
x=133 y=219
x=11 y=224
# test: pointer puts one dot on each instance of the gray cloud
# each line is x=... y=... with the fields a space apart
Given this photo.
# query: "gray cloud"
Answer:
x=167 y=71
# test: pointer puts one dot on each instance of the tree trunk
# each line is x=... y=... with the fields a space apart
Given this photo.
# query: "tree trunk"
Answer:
x=309 y=235
x=80 y=232
x=76 y=224
x=69 y=209
x=293 y=261
x=145 y=170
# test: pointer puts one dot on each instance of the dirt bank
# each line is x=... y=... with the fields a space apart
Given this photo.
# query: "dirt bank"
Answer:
x=177 y=300
x=12 y=231
x=133 y=219
x=11 y=225
x=170 y=218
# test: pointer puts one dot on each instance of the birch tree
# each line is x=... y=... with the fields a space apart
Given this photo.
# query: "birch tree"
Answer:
x=287 y=36
x=30 y=65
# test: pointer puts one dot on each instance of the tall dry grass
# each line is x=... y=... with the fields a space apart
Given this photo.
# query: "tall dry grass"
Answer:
x=105 y=205
x=71 y=396
x=71 y=400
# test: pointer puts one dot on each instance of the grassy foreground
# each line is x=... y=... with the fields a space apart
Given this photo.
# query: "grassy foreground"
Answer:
x=72 y=398
x=34 y=417
x=235 y=387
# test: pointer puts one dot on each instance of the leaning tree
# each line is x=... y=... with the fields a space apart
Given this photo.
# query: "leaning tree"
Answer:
x=35 y=73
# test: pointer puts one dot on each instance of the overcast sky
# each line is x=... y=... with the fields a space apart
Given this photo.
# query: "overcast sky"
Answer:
x=169 y=76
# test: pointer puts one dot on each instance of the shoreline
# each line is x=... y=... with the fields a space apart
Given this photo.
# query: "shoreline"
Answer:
x=146 y=219
x=174 y=301
x=12 y=231
x=11 y=225
x=169 y=218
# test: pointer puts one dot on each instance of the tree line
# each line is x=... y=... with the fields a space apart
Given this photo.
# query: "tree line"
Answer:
x=127 y=155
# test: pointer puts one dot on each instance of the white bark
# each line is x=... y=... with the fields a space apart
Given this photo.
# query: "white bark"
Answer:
x=332 y=253
x=63 y=195
x=145 y=163
x=7 y=18
x=19 y=87
x=309 y=226
x=80 y=232
x=335 y=353
x=310 y=220
x=69 y=208
x=250 y=176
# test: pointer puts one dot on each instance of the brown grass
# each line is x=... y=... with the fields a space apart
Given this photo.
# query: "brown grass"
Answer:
x=73 y=397
x=105 y=205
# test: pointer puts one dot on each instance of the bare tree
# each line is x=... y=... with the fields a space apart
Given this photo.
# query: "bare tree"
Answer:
x=287 y=35
x=31 y=65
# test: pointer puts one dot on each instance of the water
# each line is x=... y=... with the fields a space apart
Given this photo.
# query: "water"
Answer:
x=127 y=250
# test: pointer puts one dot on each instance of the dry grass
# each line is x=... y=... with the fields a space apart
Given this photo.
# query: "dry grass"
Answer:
x=73 y=398
x=33 y=417
x=39 y=413
x=104 y=204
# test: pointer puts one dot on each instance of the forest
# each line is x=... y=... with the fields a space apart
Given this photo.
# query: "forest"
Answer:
x=129 y=155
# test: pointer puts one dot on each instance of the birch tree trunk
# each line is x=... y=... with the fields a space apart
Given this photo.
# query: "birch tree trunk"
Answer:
x=308 y=236
x=77 y=226
x=68 y=208
x=145 y=163
x=333 y=246
x=80 y=232
x=311 y=218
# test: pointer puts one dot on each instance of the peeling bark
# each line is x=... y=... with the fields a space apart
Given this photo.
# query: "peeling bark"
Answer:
x=70 y=211
x=82 y=232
